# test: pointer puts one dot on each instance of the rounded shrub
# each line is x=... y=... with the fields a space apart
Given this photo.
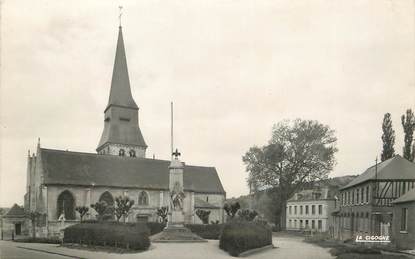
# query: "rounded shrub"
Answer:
x=239 y=236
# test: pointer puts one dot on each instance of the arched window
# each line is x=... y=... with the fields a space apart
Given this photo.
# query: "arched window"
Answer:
x=143 y=198
x=107 y=197
x=66 y=205
x=121 y=152
x=132 y=153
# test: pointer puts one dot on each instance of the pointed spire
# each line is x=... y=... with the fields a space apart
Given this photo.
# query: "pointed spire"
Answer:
x=120 y=93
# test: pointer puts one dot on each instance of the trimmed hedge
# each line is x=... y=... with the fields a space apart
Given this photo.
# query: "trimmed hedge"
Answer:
x=127 y=235
x=211 y=231
x=239 y=236
x=155 y=227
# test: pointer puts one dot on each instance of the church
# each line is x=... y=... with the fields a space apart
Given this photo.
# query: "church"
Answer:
x=58 y=181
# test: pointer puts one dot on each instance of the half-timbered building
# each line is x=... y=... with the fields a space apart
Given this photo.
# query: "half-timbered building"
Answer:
x=366 y=202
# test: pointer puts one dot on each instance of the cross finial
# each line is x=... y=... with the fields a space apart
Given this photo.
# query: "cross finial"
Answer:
x=176 y=153
x=119 y=16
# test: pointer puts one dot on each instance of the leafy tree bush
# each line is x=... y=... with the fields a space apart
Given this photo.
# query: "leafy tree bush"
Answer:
x=207 y=231
x=247 y=214
x=241 y=235
x=299 y=152
x=162 y=213
x=101 y=208
x=82 y=210
x=131 y=235
x=203 y=215
x=123 y=206
x=231 y=209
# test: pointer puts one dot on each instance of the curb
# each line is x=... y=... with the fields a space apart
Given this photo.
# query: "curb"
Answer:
x=256 y=250
x=48 y=252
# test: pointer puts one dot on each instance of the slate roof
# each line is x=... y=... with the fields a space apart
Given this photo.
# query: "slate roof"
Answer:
x=199 y=203
x=120 y=93
x=314 y=194
x=395 y=168
x=115 y=131
x=15 y=212
x=75 y=168
x=407 y=197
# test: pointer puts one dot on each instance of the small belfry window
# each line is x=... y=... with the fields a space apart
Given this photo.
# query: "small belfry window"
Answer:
x=132 y=153
x=121 y=152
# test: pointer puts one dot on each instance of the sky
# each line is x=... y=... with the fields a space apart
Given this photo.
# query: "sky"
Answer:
x=233 y=68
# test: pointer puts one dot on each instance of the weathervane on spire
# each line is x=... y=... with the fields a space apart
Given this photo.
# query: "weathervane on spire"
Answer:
x=119 y=16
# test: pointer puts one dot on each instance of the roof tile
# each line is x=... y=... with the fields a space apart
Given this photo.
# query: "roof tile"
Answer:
x=85 y=169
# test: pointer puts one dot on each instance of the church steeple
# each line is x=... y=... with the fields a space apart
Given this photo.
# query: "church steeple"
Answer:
x=122 y=135
x=120 y=93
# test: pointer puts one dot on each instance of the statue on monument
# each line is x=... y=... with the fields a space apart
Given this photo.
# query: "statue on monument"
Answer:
x=177 y=197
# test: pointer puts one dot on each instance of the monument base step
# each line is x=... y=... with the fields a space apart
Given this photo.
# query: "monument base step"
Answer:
x=176 y=234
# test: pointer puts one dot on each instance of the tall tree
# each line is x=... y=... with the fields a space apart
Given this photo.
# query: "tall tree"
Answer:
x=408 y=124
x=298 y=152
x=388 y=138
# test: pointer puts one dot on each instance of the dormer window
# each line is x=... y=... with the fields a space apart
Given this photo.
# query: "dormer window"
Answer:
x=121 y=152
x=132 y=153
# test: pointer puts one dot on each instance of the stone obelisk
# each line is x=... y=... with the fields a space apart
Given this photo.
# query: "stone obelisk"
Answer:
x=175 y=230
x=176 y=213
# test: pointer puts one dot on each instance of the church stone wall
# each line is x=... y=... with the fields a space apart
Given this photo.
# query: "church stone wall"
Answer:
x=216 y=200
x=35 y=199
x=86 y=196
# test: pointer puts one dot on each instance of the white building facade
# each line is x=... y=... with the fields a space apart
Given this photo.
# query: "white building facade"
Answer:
x=310 y=210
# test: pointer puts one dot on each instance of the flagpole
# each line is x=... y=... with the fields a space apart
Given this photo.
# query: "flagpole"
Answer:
x=376 y=176
x=171 y=129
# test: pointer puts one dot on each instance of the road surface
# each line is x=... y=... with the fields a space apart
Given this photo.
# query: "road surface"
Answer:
x=288 y=247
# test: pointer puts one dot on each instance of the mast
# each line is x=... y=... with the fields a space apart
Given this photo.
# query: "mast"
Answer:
x=171 y=129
